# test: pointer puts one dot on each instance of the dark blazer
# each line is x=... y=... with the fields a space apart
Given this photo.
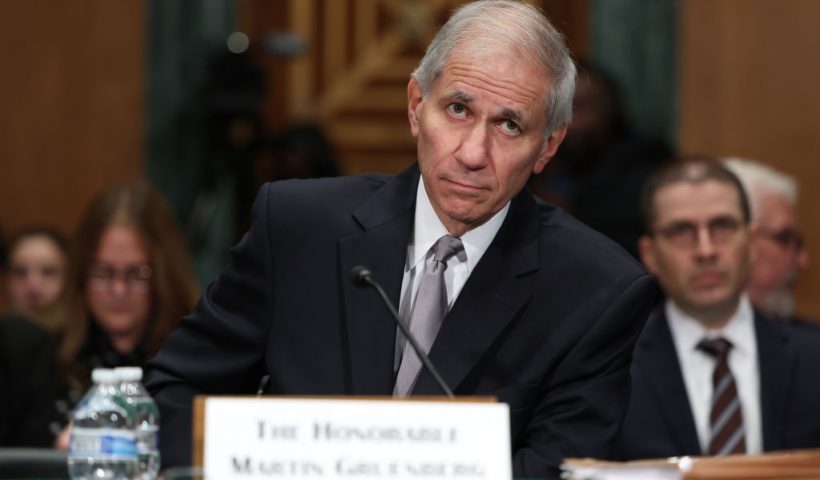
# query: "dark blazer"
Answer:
x=546 y=322
x=28 y=384
x=659 y=421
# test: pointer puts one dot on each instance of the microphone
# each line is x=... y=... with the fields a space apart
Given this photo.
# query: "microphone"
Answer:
x=263 y=384
x=362 y=277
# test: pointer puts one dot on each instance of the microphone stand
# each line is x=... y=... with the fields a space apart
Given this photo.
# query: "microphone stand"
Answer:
x=361 y=276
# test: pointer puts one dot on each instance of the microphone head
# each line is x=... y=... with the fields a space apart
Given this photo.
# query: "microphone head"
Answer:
x=360 y=275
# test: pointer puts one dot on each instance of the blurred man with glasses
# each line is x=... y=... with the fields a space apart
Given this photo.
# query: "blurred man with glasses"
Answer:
x=711 y=375
x=778 y=253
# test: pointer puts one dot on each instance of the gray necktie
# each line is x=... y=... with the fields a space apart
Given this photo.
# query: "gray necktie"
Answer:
x=428 y=311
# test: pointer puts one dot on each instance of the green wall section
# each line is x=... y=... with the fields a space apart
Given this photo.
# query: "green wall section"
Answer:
x=183 y=35
x=636 y=40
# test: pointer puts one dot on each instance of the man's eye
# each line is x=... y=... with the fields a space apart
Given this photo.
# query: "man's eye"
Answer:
x=678 y=231
x=19 y=272
x=457 y=109
x=510 y=127
x=724 y=225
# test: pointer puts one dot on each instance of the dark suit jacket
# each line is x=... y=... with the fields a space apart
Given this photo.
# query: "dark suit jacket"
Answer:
x=546 y=322
x=28 y=384
x=659 y=421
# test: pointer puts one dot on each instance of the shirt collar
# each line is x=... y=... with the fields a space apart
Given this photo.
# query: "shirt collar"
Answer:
x=428 y=229
x=739 y=330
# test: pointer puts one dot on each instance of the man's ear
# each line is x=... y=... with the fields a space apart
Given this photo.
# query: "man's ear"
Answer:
x=548 y=150
x=646 y=249
x=414 y=98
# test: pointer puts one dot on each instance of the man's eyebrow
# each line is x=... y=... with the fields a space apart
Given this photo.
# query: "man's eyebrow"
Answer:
x=512 y=114
x=460 y=96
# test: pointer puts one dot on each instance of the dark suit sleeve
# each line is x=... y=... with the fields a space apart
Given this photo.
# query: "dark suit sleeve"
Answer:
x=584 y=402
x=790 y=410
x=28 y=384
x=220 y=346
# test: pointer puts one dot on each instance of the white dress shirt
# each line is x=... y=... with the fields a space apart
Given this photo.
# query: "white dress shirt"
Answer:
x=427 y=229
x=697 y=368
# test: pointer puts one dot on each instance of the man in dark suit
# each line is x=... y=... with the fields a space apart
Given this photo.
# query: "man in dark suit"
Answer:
x=543 y=312
x=761 y=393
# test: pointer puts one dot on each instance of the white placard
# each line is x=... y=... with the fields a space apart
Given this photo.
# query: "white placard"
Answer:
x=251 y=438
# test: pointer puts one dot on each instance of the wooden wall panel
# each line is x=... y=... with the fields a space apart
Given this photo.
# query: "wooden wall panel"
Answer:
x=749 y=87
x=72 y=106
x=352 y=80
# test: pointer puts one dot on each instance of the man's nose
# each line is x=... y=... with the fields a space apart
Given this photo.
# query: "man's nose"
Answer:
x=704 y=245
x=32 y=280
x=473 y=152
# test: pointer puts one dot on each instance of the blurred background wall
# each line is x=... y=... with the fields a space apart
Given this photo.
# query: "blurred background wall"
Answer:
x=95 y=92
x=72 y=95
x=749 y=76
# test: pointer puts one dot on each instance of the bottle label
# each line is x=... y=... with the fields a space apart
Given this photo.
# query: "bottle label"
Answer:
x=102 y=442
x=147 y=439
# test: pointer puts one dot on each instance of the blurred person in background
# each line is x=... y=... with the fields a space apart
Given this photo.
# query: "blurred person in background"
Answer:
x=301 y=151
x=129 y=281
x=35 y=275
x=778 y=252
x=711 y=375
x=603 y=162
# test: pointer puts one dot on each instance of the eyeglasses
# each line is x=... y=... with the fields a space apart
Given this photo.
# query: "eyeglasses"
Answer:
x=788 y=238
x=137 y=279
x=685 y=234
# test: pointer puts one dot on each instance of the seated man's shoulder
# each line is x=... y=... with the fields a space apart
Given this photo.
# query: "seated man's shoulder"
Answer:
x=805 y=335
x=798 y=340
x=319 y=196
x=792 y=374
x=328 y=186
x=565 y=237
x=804 y=324
x=20 y=334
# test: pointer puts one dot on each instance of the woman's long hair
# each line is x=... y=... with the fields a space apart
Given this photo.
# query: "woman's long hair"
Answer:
x=174 y=289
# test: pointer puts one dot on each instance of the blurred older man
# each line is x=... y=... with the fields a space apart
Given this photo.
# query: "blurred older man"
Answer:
x=778 y=253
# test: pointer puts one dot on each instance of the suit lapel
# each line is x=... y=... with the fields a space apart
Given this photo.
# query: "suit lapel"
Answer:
x=490 y=299
x=386 y=219
x=657 y=357
x=775 y=362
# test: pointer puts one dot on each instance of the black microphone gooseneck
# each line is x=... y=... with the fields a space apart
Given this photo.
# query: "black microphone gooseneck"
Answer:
x=361 y=277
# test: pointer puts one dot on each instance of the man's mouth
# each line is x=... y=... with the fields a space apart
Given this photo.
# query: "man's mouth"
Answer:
x=708 y=277
x=464 y=186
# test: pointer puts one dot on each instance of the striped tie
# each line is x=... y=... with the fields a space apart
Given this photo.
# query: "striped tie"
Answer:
x=726 y=434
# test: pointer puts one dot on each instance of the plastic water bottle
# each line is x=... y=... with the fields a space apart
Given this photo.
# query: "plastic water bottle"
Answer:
x=102 y=444
x=146 y=421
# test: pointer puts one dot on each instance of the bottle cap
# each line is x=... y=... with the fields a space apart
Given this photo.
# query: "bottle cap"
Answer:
x=129 y=374
x=103 y=375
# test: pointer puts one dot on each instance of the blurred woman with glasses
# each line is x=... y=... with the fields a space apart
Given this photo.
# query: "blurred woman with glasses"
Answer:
x=129 y=281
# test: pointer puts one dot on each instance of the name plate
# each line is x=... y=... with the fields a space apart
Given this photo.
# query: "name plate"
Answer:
x=355 y=439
